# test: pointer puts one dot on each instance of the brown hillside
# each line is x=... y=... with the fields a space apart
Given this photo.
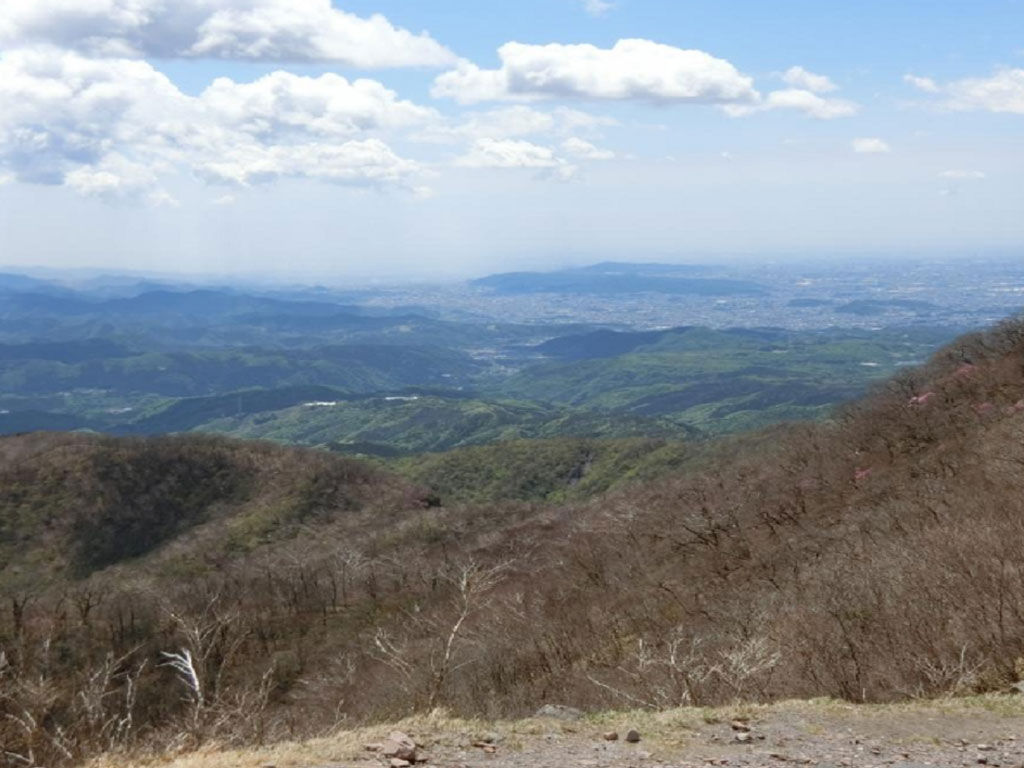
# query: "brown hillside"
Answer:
x=875 y=558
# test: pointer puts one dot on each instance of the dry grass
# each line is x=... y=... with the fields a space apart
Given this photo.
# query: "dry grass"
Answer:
x=664 y=731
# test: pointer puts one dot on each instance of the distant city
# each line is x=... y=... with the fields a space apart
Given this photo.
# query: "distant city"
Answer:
x=959 y=294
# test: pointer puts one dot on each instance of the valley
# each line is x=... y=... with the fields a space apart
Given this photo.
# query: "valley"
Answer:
x=154 y=358
x=231 y=519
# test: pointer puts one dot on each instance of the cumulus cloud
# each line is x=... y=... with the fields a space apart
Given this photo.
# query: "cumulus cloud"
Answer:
x=925 y=84
x=502 y=123
x=507 y=153
x=113 y=128
x=282 y=104
x=259 y=30
x=797 y=99
x=115 y=177
x=368 y=162
x=597 y=7
x=60 y=112
x=577 y=147
x=632 y=69
x=1002 y=92
x=871 y=146
x=512 y=122
x=515 y=153
x=798 y=77
x=639 y=70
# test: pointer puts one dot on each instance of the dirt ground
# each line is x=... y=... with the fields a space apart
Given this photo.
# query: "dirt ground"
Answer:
x=962 y=732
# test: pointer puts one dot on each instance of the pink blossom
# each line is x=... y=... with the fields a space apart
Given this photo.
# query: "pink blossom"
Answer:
x=965 y=370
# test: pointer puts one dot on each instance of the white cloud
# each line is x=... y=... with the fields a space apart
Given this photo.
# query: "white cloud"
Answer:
x=502 y=123
x=261 y=30
x=115 y=177
x=798 y=77
x=113 y=128
x=512 y=122
x=572 y=120
x=1003 y=92
x=468 y=84
x=507 y=153
x=513 y=153
x=597 y=7
x=959 y=175
x=925 y=84
x=577 y=147
x=59 y=111
x=367 y=162
x=632 y=69
x=224 y=200
x=871 y=146
x=810 y=104
x=282 y=104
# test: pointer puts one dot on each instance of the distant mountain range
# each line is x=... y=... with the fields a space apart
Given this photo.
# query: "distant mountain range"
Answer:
x=620 y=278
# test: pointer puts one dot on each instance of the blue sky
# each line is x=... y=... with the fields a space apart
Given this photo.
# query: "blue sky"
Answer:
x=447 y=137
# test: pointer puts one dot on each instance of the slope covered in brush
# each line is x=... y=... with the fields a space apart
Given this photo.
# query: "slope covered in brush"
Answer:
x=874 y=557
x=71 y=505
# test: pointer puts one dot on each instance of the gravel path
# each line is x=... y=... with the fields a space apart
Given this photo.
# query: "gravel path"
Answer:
x=825 y=735
x=979 y=731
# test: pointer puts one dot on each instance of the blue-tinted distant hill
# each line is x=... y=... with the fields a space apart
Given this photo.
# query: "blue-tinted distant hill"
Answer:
x=602 y=343
x=612 y=278
x=193 y=303
x=11 y=283
x=645 y=268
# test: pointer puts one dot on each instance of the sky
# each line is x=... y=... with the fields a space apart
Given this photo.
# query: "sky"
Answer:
x=442 y=138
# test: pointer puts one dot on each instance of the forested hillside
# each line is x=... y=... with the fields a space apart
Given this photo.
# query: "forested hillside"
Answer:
x=171 y=359
x=170 y=591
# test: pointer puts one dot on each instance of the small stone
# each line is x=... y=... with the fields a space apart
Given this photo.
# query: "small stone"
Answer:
x=610 y=736
x=984 y=747
x=490 y=749
x=633 y=736
x=739 y=725
x=743 y=737
x=373 y=747
x=400 y=746
x=397 y=762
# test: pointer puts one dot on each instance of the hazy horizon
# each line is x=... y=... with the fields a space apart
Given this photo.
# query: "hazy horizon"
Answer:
x=283 y=277
x=380 y=139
